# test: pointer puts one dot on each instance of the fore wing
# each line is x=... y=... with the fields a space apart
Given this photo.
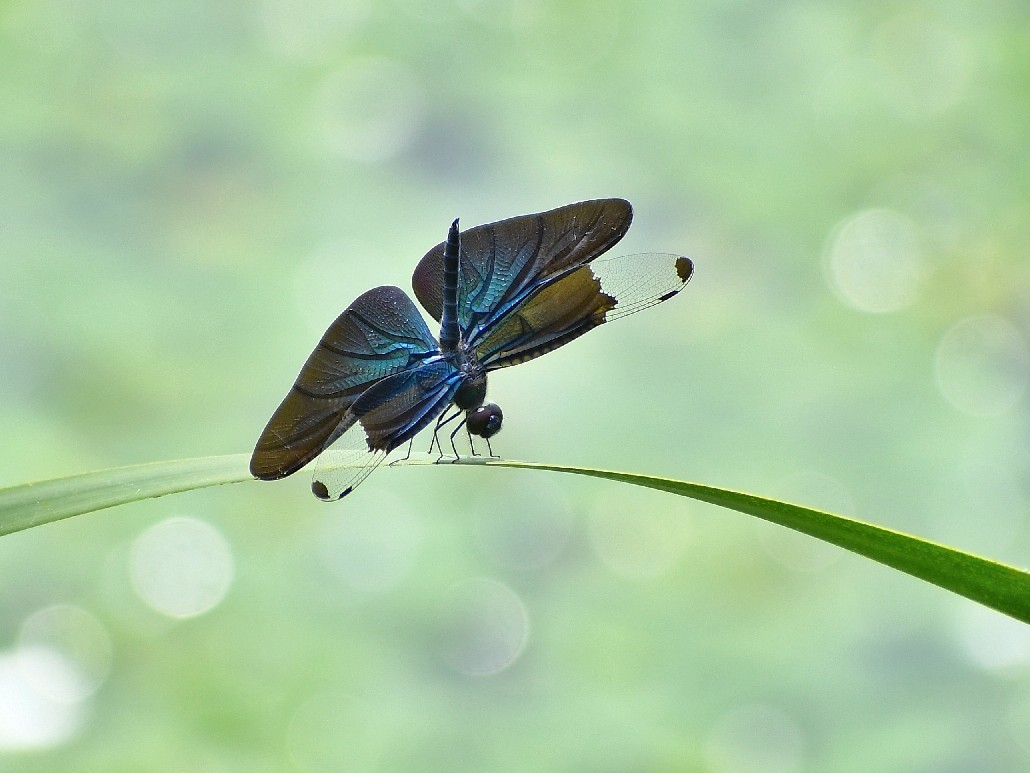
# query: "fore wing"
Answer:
x=380 y=334
x=579 y=300
x=501 y=263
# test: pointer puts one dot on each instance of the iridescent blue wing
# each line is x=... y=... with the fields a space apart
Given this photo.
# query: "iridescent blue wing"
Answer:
x=385 y=416
x=567 y=305
x=502 y=263
x=380 y=334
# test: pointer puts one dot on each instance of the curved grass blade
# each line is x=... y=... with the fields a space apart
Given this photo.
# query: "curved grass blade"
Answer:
x=996 y=585
x=33 y=504
x=1001 y=587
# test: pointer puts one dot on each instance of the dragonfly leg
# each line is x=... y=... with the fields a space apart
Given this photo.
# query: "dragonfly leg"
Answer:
x=432 y=443
x=441 y=422
x=454 y=434
x=406 y=456
x=468 y=431
x=435 y=442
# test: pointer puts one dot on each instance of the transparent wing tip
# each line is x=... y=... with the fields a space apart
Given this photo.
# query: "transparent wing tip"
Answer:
x=339 y=472
x=318 y=488
x=636 y=282
x=684 y=270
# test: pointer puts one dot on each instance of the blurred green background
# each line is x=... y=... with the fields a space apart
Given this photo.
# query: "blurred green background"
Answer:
x=190 y=193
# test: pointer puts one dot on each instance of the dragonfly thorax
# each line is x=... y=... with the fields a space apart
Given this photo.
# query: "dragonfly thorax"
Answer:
x=472 y=391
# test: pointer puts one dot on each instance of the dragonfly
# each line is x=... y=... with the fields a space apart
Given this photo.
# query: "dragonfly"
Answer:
x=503 y=293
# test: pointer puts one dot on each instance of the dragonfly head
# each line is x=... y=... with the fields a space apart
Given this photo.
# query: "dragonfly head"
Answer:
x=485 y=421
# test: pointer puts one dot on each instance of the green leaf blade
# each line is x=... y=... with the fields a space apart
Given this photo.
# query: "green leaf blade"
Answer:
x=993 y=584
x=34 y=504
x=996 y=585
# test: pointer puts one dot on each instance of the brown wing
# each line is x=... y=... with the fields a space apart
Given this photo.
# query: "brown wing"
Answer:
x=575 y=303
x=380 y=334
x=500 y=263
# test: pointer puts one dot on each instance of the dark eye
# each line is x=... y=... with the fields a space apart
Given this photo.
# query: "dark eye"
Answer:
x=485 y=421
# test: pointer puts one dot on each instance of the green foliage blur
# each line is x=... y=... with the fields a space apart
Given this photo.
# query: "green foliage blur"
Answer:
x=191 y=192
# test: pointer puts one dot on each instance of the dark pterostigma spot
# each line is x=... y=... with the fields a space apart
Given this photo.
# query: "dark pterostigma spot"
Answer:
x=684 y=268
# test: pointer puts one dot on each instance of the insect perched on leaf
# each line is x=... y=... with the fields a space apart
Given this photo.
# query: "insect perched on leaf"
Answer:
x=503 y=294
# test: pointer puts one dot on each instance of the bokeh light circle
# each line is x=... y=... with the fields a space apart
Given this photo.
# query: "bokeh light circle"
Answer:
x=181 y=567
x=488 y=628
x=28 y=718
x=875 y=261
x=636 y=542
x=982 y=365
x=79 y=647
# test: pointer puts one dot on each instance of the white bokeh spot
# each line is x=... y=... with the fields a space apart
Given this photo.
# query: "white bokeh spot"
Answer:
x=983 y=365
x=73 y=652
x=489 y=628
x=181 y=567
x=875 y=262
x=635 y=542
x=30 y=718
